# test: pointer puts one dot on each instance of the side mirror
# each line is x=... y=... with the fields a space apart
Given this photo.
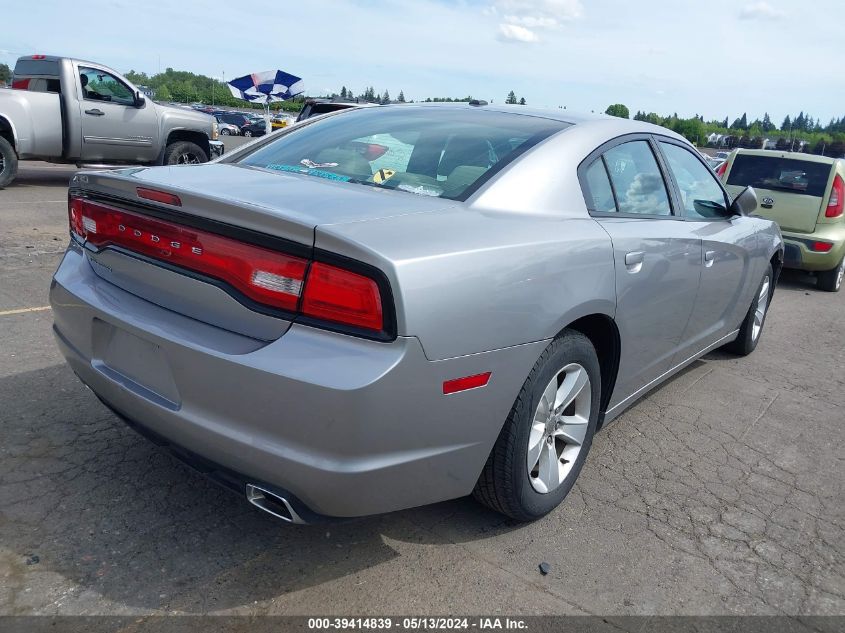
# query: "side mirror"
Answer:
x=139 y=99
x=745 y=203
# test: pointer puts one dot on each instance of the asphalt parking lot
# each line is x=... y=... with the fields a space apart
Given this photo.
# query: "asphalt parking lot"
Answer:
x=720 y=492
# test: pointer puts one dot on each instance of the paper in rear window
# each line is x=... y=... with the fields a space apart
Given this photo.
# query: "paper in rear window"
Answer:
x=780 y=174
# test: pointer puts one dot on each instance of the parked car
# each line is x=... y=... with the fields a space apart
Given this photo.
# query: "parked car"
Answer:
x=235 y=118
x=254 y=128
x=316 y=107
x=805 y=195
x=400 y=305
x=227 y=129
x=70 y=111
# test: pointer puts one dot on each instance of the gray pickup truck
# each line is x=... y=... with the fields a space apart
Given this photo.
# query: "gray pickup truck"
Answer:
x=70 y=111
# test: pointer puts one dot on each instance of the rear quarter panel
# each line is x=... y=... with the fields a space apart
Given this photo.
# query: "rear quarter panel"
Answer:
x=466 y=282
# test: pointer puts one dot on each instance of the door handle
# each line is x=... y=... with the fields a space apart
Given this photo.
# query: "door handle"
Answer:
x=634 y=261
x=95 y=112
x=709 y=258
x=634 y=257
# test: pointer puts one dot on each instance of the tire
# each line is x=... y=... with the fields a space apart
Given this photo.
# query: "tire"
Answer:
x=247 y=133
x=507 y=484
x=225 y=132
x=8 y=162
x=831 y=280
x=752 y=325
x=184 y=153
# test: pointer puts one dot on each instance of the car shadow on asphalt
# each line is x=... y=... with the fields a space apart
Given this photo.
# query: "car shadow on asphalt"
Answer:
x=85 y=497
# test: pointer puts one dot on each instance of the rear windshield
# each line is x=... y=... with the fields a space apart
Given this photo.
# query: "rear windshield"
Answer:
x=782 y=174
x=436 y=152
x=37 y=67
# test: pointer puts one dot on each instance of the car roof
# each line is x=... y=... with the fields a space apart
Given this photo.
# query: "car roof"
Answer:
x=772 y=153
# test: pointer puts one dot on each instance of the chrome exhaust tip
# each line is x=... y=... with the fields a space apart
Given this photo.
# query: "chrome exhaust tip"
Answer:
x=272 y=503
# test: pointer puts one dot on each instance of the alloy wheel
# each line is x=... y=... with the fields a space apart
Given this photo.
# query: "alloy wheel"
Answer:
x=559 y=427
x=188 y=158
x=760 y=310
x=840 y=274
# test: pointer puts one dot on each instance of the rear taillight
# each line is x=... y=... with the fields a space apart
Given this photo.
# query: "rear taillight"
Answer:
x=265 y=276
x=720 y=172
x=821 y=247
x=316 y=290
x=20 y=84
x=341 y=296
x=836 y=202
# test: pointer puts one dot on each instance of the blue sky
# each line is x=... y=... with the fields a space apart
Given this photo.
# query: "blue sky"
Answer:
x=717 y=58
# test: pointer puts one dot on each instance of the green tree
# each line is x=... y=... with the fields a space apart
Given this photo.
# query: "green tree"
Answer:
x=401 y=98
x=768 y=126
x=343 y=92
x=385 y=98
x=511 y=99
x=5 y=74
x=740 y=123
x=618 y=110
x=163 y=93
x=522 y=101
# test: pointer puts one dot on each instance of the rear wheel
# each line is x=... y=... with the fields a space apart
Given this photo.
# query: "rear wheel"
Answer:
x=752 y=325
x=184 y=153
x=247 y=132
x=831 y=280
x=546 y=438
x=8 y=162
x=225 y=132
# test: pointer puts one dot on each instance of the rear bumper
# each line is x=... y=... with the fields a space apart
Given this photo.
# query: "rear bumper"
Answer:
x=348 y=427
x=798 y=253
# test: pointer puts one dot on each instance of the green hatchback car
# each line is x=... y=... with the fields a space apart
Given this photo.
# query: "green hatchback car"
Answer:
x=805 y=195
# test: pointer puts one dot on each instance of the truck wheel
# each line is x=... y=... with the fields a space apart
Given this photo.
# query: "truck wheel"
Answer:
x=184 y=153
x=830 y=280
x=8 y=162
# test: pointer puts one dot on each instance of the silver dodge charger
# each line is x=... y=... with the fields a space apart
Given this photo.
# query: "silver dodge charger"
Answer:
x=392 y=306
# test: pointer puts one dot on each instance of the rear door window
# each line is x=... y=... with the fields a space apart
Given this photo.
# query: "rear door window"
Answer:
x=637 y=180
x=780 y=174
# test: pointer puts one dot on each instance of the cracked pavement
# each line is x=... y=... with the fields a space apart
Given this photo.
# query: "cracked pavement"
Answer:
x=720 y=492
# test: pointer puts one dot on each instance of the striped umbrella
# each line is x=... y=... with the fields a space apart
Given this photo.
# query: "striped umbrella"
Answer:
x=266 y=87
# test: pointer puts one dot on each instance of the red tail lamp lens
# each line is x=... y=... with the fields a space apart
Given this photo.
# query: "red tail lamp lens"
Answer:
x=339 y=295
x=836 y=203
x=263 y=275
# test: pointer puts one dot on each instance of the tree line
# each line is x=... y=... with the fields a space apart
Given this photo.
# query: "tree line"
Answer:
x=801 y=132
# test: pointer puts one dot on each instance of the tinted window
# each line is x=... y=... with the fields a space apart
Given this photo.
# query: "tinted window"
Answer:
x=99 y=85
x=637 y=179
x=600 y=197
x=429 y=151
x=701 y=195
x=783 y=174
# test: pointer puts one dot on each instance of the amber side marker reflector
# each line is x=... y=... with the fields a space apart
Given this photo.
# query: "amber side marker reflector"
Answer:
x=159 y=196
x=467 y=382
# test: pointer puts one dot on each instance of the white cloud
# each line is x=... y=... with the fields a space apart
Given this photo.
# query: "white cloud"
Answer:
x=516 y=33
x=760 y=11
x=523 y=18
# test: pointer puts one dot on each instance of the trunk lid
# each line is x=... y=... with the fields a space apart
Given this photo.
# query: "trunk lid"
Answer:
x=791 y=190
x=273 y=210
